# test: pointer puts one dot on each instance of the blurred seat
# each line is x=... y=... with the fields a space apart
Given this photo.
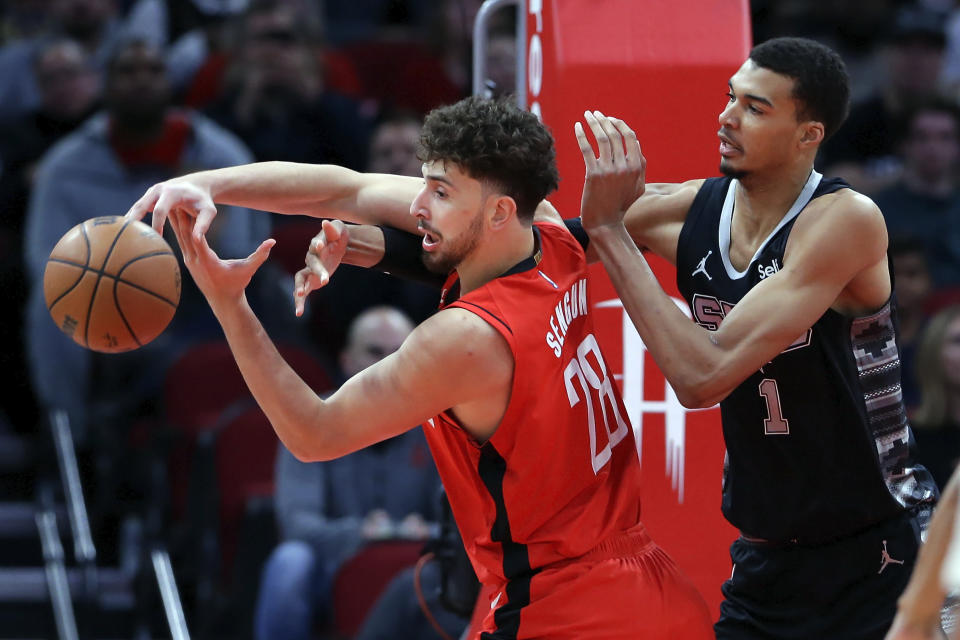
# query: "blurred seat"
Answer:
x=362 y=579
x=220 y=462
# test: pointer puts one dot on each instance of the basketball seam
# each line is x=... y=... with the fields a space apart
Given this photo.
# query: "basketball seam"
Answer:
x=121 y=280
x=116 y=287
x=85 y=265
x=100 y=274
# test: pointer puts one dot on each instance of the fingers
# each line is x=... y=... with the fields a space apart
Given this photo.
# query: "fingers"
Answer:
x=180 y=222
x=146 y=202
x=258 y=257
x=319 y=270
x=589 y=159
x=161 y=210
x=304 y=281
x=205 y=214
x=617 y=155
x=603 y=142
x=634 y=156
x=333 y=230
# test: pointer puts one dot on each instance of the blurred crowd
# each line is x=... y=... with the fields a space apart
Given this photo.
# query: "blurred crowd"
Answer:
x=99 y=99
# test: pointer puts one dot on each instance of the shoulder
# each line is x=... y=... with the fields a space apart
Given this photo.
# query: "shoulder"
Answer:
x=456 y=332
x=846 y=222
x=845 y=209
x=460 y=345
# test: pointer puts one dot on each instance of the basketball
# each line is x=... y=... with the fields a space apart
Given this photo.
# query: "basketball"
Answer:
x=112 y=284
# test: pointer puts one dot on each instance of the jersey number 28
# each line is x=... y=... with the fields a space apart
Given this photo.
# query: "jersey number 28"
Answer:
x=595 y=390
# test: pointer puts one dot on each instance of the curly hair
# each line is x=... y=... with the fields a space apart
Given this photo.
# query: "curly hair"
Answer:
x=821 y=85
x=494 y=141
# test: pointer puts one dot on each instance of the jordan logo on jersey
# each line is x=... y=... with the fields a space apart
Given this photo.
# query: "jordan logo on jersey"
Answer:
x=885 y=559
x=702 y=267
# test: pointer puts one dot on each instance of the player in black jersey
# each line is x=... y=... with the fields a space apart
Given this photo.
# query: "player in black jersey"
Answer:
x=788 y=281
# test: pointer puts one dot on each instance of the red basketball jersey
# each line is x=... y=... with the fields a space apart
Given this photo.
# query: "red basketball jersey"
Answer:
x=561 y=472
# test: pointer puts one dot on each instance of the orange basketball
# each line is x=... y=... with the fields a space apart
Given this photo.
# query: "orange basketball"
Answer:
x=112 y=284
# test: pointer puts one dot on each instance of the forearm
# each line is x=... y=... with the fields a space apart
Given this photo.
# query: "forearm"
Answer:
x=292 y=407
x=365 y=247
x=682 y=350
x=323 y=191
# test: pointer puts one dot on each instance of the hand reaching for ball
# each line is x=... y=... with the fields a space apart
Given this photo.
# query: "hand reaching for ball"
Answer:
x=190 y=198
x=218 y=279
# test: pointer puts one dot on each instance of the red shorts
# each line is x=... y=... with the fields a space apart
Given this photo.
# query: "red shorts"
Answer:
x=626 y=588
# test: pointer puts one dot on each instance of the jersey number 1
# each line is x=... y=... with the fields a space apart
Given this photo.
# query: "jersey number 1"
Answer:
x=594 y=388
x=774 y=423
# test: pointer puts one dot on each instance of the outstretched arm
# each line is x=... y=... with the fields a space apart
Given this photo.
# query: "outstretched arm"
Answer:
x=322 y=191
x=918 y=609
x=453 y=359
x=703 y=366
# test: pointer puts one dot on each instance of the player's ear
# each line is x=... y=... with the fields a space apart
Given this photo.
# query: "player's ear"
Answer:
x=503 y=209
x=812 y=134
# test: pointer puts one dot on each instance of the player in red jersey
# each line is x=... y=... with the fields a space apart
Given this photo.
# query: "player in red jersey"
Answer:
x=525 y=423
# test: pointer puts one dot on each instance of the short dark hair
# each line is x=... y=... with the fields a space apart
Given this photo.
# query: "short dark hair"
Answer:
x=821 y=86
x=496 y=141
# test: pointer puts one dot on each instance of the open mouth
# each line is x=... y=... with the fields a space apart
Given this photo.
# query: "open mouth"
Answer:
x=430 y=239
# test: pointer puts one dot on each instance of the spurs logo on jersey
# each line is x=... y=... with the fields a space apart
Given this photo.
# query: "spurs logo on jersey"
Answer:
x=702 y=267
x=709 y=312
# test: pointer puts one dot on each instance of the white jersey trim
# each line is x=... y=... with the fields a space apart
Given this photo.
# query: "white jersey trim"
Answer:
x=726 y=220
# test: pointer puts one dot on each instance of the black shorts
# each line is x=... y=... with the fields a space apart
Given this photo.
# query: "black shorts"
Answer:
x=845 y=590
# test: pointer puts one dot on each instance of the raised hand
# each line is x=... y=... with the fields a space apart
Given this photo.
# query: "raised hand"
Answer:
x=323 y=257
x=218 y=280
x=614 y=178
x=176 y=195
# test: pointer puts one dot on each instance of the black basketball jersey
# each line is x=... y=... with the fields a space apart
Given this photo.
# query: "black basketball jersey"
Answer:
x=817 y=439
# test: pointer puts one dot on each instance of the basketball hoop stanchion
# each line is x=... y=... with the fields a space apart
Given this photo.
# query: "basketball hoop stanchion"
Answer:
x=480 y=42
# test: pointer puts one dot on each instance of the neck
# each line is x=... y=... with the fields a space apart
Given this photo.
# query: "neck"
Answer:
x=761 y=201
x=496 y=255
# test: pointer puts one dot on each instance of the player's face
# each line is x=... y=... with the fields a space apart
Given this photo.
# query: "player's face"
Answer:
x=758 y=127
x=449 y=212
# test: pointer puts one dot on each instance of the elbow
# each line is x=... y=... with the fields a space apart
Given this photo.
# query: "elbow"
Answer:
x=693 y=399
x=699 y=391
x=307 y=448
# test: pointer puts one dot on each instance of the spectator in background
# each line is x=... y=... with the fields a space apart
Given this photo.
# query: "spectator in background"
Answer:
x=96 y=25
x=912 y=278
x=69 y=92
x=937 y=419
x=328 y=511
x=275 y=95
x=393 y=145
x=502 y=63
x=863 y=150
x=98 y=170
x=925 y=200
